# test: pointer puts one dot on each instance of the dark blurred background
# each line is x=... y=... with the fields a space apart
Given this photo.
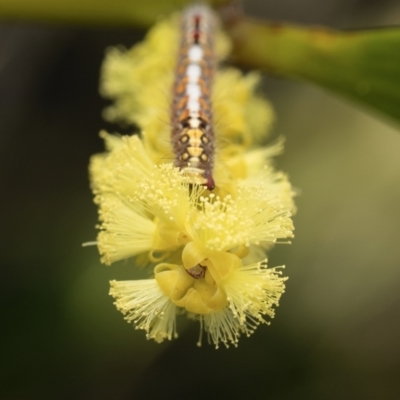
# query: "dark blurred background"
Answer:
x=336 y=332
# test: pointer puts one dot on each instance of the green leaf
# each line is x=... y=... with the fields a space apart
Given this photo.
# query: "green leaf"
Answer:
x=362 y=65
x=92 y=12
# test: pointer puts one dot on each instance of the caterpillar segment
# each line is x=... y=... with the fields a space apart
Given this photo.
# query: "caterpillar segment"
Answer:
x=191 y=112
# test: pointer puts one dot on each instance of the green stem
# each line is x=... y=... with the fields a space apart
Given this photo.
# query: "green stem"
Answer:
x=92 y=12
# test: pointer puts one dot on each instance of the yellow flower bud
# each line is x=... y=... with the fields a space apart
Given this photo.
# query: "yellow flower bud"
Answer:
x=192 y=255
x=212 y=295
x=221 y=264
x=194 y=303
x=173 y=280
x=167 y=237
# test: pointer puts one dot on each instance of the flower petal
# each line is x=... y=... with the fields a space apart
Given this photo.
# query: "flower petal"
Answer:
x=144 y=304
x=124 y=232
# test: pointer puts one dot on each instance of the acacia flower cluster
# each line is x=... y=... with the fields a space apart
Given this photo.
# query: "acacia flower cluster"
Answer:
x=204 y=249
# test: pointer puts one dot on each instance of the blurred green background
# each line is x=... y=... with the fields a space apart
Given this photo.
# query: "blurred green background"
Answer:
x=336 y=332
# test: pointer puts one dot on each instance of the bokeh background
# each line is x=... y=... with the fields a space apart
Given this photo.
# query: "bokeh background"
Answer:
x=336 y=332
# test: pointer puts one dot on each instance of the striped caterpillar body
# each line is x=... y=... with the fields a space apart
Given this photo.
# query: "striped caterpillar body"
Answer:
x=192 y=133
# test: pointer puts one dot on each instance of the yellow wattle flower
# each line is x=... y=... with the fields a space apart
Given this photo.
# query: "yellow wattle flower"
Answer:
x=205 y=251
x=150 y=207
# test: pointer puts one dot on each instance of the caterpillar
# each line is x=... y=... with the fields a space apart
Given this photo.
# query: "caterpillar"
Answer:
x=192 y=133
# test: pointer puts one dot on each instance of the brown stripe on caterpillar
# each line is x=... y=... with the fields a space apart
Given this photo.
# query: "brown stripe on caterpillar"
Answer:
x=192 y=133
